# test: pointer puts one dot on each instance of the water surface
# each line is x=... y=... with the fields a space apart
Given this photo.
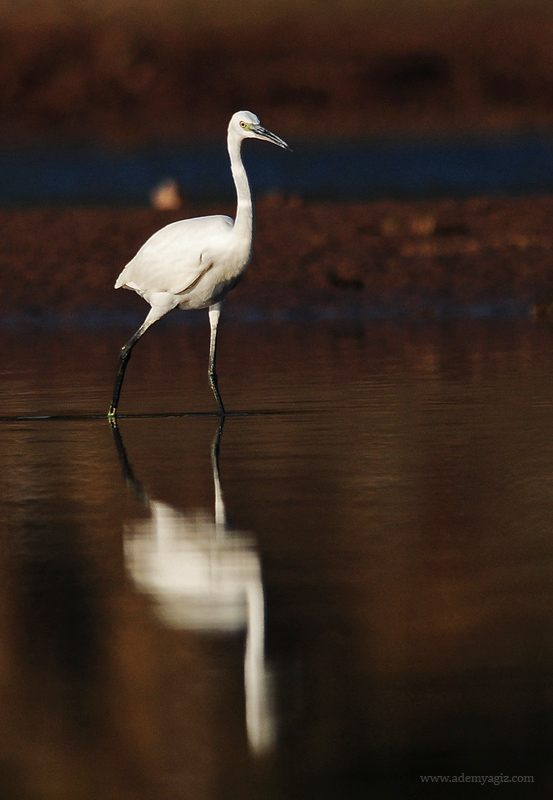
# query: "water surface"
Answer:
x=399 y=166
x=357 y=592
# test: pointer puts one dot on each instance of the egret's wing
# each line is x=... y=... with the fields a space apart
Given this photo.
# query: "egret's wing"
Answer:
x=176 y=256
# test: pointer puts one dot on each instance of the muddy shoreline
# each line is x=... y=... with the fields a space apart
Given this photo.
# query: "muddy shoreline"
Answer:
x=423 y=260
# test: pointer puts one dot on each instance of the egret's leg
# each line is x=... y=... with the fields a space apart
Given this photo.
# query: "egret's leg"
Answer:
x=124 y=357
x=161 y=303
x=214 y=314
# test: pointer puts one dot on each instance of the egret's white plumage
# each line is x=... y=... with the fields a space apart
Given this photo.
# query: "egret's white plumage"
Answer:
x=194 y=263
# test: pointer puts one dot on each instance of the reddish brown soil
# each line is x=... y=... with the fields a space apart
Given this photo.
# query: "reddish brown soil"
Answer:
x=423 y=259
x=329 y=75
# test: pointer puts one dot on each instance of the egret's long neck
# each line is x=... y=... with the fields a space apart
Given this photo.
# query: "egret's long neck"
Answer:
x=244 y=208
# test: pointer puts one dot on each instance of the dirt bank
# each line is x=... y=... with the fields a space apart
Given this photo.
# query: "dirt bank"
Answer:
x=422 y=259
x=129 y=79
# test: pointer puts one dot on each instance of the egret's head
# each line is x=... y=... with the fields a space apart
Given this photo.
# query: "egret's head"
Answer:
x=247 y=126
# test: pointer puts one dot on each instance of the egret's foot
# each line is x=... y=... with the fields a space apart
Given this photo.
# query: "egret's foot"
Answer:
x=220 y=406
x=215 y=389
x=112 y=416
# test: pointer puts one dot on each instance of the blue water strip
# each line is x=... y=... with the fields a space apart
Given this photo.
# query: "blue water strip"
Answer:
x=398 y=167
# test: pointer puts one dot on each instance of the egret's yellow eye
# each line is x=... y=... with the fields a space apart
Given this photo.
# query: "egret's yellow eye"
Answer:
x=243 y=124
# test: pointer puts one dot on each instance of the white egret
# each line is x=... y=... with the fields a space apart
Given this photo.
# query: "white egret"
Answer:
x=194 y=263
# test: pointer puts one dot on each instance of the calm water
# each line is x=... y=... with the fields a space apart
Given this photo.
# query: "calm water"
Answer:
x=391 y=166
x=357 y=592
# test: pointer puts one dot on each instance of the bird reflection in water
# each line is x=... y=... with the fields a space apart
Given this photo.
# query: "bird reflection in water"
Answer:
x=205 y=576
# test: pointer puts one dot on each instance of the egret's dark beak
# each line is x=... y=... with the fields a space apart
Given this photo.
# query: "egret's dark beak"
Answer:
x=270 y=137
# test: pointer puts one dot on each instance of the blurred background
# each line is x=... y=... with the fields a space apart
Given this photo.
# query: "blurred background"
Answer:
x=133 y=72
x=123 y=94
